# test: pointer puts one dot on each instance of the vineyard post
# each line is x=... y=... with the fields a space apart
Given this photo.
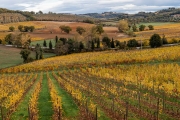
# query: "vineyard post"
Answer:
x=59 y=116
x=163 y=100
x=112 y=104
x=141 y=42
x=127 y=109
x=158 y=109
x=87 y=107
x=1 y=112
x=96 y=113
x=29 y=113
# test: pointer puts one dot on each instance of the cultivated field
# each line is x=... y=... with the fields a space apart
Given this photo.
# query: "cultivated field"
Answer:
x=50 y=29
x=170 y=30
x=10 y=56
x=96 y=85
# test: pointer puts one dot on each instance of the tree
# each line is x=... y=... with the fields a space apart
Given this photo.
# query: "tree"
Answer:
x=142 y=27
x=10 y=39
x=112 y=43
x=151 y=27
x=56 y=38
x=20 y=27
x=11 y=28
x=80 y=30
x=98 y=43
x=88 y=21
x=66 y=29
x=26 y=28
x=106 y=41
x=155 y=41
x=25 y=54
x=117 y=43
x=132 y=43
x=37 y=49
x=81 y=46
x=99 y=29
x=39 y=52
x=64 y=40
x=44 y=43
x=164 y=40
x=0 y=41
x=50 y=45
x=134 y=28
x=31 y=28
x=22 y=40
x=92 y=45
x=61 y=49
x=123 y=25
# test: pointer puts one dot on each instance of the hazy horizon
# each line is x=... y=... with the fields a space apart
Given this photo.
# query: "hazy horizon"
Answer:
x=93 y=6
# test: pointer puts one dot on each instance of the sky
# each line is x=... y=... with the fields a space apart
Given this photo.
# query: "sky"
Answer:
x=89 y=6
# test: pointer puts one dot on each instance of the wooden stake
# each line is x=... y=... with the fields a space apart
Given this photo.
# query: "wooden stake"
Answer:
x=59 y=116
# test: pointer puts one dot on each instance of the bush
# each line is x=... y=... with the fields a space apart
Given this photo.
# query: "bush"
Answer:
x=66 y=29
x=132 y=43
x=107 y=42
x=88 y=21
x=151 y=27
x=155 y=41
x=30 y=59
x=130 y=33
x=142 y=27
x=164 y=40
x=20 y=27
x=174 y=40
x=11 y=28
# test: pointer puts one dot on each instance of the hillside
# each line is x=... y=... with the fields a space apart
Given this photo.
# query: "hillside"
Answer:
x=165 y=15
x=97 y=85
x=7 y=16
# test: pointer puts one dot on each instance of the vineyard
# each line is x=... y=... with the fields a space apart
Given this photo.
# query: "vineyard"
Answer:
x=109 y=85
x=171 y=31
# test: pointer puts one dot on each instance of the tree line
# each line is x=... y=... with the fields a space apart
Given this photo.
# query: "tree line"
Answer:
x=22 y=28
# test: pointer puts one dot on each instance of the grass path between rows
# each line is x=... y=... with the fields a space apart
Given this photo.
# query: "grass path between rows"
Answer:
x=70 y=109
x=21 y=112
x=44 y=101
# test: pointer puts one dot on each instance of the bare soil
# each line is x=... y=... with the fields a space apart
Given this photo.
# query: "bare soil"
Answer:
x=51 y=29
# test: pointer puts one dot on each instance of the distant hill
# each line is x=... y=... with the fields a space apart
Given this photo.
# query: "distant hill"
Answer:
x=7 y=16
x=165 y=15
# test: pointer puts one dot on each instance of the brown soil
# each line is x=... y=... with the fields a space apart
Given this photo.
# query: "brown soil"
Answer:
x=51 y=29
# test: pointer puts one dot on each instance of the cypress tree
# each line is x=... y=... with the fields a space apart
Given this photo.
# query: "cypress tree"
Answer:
x=98 y=43
x=37 y=48
x=44 y=44
x=112 y=43
x=56 y=38
x=92 y=45
x=50 y=45
x=81 y=46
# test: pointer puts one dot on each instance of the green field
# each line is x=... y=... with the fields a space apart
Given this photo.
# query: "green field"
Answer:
x=156 y=23
x=114 y=23
x=11 y=57
x=42 y=41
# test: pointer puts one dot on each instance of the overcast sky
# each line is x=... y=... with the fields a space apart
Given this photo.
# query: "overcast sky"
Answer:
x=88 y=6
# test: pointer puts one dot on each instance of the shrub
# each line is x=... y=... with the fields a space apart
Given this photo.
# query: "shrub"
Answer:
x=132 y=43
x=11 y=28
x=155 y=41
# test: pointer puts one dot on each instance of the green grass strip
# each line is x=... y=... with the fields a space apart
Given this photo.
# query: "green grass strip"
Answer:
x=21 y=112
x=70 y=109
x=44 y=101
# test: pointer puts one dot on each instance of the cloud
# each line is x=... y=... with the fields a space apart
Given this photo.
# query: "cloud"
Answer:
x=86 y=6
